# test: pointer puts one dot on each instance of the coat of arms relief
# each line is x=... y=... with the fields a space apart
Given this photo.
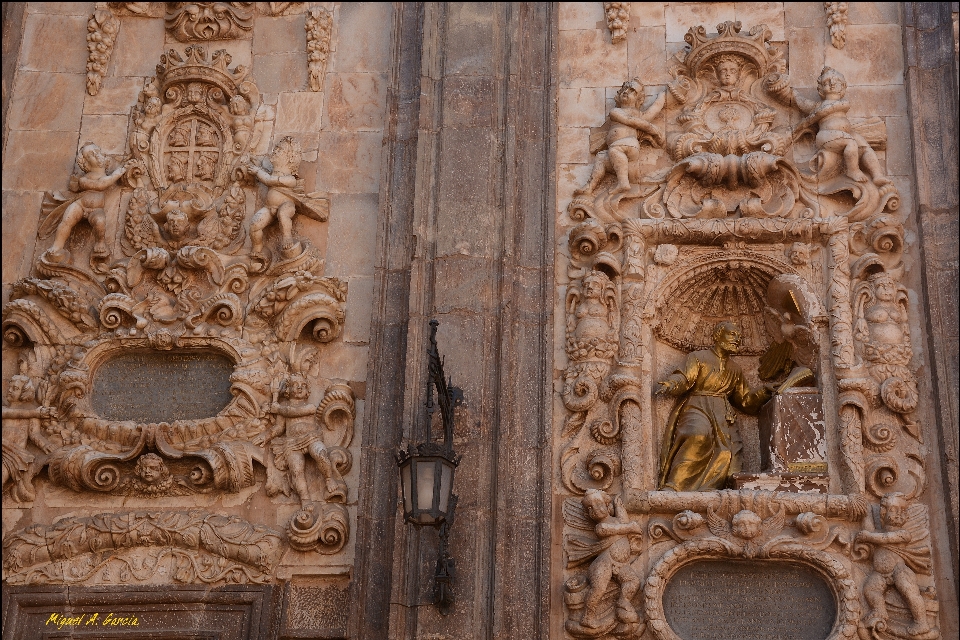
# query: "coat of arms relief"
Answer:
x=740 y=379
x=189 y=245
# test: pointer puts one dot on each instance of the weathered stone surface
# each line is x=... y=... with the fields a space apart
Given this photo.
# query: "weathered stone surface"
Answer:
x=749 y=600
x=162 y=387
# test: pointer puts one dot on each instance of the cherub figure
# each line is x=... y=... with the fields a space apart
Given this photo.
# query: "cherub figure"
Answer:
x=284 y=199
x=295 y=436
x=593 y=309
x=241 y=122
x=144 y=122
x=87 y=204
x=21 y=425
x=152 y=478
x=626 y=123
x=611 y=561
x=836 y=137
x=900 y=552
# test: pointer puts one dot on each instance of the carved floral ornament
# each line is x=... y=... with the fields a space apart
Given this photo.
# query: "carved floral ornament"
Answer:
x=201 y=264
x=706 y=209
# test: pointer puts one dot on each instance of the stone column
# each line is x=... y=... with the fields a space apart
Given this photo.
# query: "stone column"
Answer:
x=931 y=78
x=465 y=237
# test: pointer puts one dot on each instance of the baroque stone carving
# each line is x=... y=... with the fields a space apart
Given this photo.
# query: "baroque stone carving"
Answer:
x=617 y=143
x=192 y=546
x=602 y=611
x=897 y=540
x=618 y=20
x=837 y=22
x=769 y=209
x=196 y=267
x=102 y=31
x=319 y=27
x=202 y=21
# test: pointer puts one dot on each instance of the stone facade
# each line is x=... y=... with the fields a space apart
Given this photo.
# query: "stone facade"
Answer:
x=695 y=267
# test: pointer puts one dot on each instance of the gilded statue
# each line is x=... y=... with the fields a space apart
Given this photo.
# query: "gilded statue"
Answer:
x=697 y=452
x=837 y=137
x=611 y=555
x=86 y=203
x=295 y=436
x=626 y=125
x=21 y=425
x=900 y=552
x=284 y=199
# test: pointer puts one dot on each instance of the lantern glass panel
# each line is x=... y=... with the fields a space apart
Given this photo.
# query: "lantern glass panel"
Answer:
x=426 y=475
x=406 y=482
x=446 y=481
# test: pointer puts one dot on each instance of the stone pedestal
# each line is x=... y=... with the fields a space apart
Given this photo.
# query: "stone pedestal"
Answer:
x=793 y=448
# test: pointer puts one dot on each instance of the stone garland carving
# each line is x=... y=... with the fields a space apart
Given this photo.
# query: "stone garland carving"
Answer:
x=197 y=265
x=618 y=20
x=319 y=27
x=193 y=546
x=837 y=22
x=710 y=206
x=102 y=31
x=203 y=21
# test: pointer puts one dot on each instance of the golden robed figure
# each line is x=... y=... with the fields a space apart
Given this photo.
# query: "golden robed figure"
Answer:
x=697 y=452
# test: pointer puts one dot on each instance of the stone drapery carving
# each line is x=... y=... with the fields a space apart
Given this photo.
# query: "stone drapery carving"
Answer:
x=196 y=266
x=319 y=27
x=203 y=21
x=774 y=211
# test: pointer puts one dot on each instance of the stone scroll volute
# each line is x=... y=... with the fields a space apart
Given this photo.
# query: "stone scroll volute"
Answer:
x=732 y=197
x=201 y=272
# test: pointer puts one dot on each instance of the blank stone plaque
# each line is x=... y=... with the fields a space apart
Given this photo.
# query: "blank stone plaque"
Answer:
x=720 y=600
x=162 y=387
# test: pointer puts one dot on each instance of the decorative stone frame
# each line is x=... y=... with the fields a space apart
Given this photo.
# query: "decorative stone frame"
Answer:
x=828 y=566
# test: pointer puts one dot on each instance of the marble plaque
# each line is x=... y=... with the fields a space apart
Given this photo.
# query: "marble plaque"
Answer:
x=162 y=386
x=719 y=600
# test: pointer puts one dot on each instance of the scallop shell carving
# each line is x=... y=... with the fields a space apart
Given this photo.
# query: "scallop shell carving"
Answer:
x=729 y=291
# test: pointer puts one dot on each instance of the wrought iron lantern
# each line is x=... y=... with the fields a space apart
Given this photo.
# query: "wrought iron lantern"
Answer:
x=426 y=475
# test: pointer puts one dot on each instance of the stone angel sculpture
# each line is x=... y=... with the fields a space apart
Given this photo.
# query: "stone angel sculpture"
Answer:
x=617 y=143
x=609 y=550
x=294 y=437
x=22 y=426
x=63 y=213
x=838 y=139
x=897 y=538
x=284 y=199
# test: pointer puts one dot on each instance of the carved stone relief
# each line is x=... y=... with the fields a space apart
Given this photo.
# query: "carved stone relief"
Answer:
x=837 y=22
x=102 y=33
x=742 y=245
x=204 y=21
x=319 y=27
x=204 y=267
x=618 y=20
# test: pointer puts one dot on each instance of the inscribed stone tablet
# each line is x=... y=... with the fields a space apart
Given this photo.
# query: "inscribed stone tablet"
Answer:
x=714 y=600
x=162 y=387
